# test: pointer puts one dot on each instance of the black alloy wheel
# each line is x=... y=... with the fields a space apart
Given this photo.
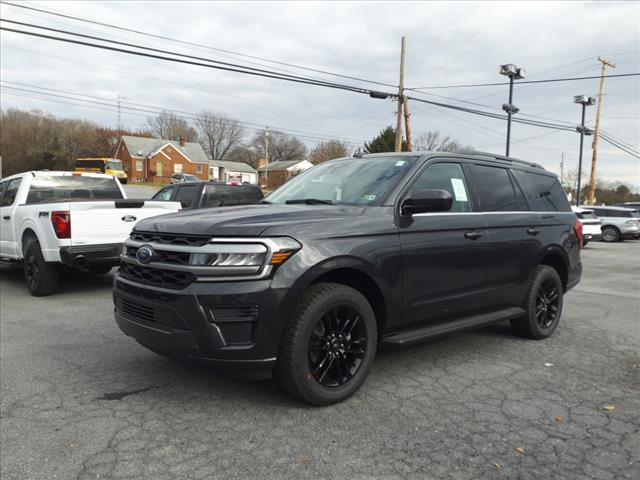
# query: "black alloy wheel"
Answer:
x=337 y=346
x=31 y=271
x=547 y=301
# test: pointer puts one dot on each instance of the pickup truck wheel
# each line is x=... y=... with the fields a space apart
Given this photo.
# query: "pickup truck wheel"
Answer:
x=100 y=269
x=41 y=277
x=329 y=344
x=610 y=234
x=543 y=305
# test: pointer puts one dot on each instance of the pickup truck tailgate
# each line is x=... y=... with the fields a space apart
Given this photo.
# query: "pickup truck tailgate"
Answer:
x=104 y=222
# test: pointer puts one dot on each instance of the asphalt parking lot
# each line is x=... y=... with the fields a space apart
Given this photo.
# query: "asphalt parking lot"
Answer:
x=81 y=400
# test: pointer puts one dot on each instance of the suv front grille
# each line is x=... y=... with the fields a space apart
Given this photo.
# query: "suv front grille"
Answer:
x=154 y=276
x=155 y=314
x=164 y=256
x=170 y=239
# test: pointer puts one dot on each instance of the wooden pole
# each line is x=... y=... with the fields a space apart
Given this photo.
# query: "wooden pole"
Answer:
x=398 y=146
x=596 y=133
x=407 y=122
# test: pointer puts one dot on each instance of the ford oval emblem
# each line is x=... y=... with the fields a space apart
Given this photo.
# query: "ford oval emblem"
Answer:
x=129 y=218
x=145 y=254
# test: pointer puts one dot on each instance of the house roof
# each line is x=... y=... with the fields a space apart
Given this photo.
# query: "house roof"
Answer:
x=144 y=147
x=280 y=165
x=233 y=166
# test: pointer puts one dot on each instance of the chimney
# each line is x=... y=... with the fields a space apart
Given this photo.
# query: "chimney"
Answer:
x=182 y=142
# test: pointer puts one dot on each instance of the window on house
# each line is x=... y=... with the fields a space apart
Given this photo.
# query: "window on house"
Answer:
x=199 y=168
x=177 y=168
x=139 y=167
x=126 y=166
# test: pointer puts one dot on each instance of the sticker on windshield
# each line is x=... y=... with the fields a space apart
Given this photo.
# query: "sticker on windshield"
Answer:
x=399 y=163
x=367 y=198
x=459 y=190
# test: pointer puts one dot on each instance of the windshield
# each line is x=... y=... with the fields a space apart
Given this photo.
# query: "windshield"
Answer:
x=349 y=181
x=191 y=178
x=66 y=188
x=114 y=165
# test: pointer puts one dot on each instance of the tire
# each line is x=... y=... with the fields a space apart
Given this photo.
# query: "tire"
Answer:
x=314 y=370
x=99 y=269
x=611 y=234
x=543 y=305
x=41 y=277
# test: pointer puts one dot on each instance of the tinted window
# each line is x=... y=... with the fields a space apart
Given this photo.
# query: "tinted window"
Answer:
x=11 y=191
x=164 y=194
x=186 y=195
x=586 y=216
x=495 y=189
x=3 y=186
x=227 y=195
x=67 y=188
x=94 y=164
x=543 y=192
x=449 y=177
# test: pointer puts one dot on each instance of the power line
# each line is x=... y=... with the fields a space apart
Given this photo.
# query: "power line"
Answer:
x=162 y=37
x=548 y=80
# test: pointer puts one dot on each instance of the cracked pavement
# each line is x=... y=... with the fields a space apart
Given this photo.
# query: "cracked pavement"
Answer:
x=80 y=400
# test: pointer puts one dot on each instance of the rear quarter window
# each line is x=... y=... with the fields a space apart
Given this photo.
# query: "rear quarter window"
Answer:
x=544 y=192
x=67 y=188
x=229 y=195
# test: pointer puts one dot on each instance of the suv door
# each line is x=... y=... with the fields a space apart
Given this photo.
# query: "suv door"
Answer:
x=514 y=234
x=8 y=243
x=189 y=195
x=444 y=262
x=165 y=194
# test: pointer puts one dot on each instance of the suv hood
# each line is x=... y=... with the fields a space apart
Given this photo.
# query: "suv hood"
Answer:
x=245 y=221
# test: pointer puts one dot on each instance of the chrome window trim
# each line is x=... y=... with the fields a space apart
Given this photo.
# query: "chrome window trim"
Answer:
x=485 y=213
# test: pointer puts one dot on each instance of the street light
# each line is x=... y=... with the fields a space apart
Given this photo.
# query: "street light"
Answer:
x=585 y=101
x=514 y=73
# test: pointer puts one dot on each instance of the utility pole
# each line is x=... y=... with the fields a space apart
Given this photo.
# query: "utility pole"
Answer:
x=119 y=114
x=562 y=169
x=596 y=134
x=400 y=98
x=585 y=101
x=407 y=122
x=266 y=158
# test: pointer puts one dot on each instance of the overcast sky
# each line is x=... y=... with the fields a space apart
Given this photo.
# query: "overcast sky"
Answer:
x=447 y=43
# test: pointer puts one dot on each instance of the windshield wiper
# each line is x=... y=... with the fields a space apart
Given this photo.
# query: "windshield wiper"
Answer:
x=264 y=202
x=309 y=201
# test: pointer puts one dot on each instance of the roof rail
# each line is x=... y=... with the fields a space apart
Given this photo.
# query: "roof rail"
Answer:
x=466 y=151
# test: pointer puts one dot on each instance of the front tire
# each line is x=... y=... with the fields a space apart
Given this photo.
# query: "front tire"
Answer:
x=329 y=344
x=543 y=305
x=41 y=277
x=611 y=234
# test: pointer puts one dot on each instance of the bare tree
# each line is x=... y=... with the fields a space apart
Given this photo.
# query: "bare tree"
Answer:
x=434 y=141
x=329 y=150
x=282 y=147
x=169 y=126
x=218 y=134
x=242 y=153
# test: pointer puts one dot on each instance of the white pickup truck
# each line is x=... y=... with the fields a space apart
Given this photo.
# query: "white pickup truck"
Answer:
x=77 y=220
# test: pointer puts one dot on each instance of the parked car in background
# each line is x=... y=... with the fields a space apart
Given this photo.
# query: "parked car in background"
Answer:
x=388 y=249
x=211 y=194
x=110 y=166
x=618 y=223
x=51 y=219
x=183 y=178
x=591 y=224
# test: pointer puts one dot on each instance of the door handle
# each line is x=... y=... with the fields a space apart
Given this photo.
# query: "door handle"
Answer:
x=6 y=217
x=533 y=231
x=472 y=235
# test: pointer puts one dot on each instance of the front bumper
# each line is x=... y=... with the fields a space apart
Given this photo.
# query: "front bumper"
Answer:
x=235 y=325
x=85 y=255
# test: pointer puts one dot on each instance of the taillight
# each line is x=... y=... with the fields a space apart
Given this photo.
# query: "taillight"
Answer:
x=61 y=221
x=577 y=227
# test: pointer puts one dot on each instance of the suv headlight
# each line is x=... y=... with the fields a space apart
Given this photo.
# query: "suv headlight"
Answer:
x=247 y=254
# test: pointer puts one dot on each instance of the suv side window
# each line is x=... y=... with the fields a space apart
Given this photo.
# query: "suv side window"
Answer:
x=495 y=189
x=544 y=192
x=449 y=177
x=10 y=192
x=186 y=195
x=164 y=194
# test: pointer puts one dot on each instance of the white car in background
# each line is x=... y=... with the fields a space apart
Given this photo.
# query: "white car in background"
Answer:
x=618 y=223
x=591 y=224
x=79 y=220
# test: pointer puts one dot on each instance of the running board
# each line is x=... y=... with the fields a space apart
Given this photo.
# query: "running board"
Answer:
x=415 y=335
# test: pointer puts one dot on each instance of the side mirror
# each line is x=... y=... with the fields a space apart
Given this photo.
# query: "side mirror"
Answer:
x=430 y=200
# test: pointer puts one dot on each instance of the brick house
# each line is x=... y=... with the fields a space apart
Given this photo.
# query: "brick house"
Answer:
x=274 y=174
x=155 y=160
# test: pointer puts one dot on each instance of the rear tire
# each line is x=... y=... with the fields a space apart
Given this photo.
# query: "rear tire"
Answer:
x=41 y=277
x=328 y=345
x=611 y=234
x=543 y=305
x=100 y=269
